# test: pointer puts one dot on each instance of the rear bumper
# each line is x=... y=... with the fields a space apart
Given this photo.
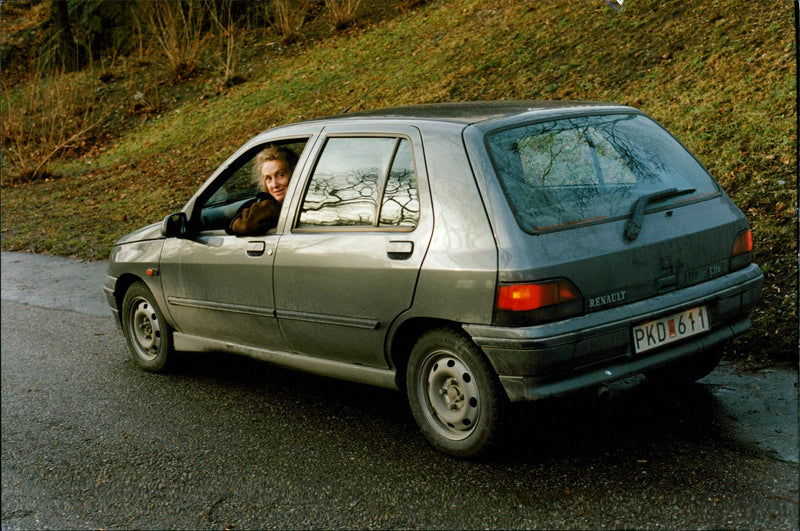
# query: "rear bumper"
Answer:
x=557 y=358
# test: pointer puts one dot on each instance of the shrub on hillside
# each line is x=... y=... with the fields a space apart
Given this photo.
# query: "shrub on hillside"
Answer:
x=342 y=12
x=286 y=17
x=52 y=115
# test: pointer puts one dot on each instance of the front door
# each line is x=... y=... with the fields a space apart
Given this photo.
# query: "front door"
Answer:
x=220 y=286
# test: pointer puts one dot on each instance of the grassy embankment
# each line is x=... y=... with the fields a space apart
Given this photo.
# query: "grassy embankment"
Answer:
x=720 y=75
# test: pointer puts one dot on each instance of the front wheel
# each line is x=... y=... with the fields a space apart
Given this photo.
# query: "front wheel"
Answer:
x=147 y=333
x=454 y=394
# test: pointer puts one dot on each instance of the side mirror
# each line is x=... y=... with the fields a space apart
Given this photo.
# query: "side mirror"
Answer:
x=174 y=225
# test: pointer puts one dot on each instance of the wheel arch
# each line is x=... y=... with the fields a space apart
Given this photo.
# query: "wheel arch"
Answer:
x=406 y=334
x=123 y=283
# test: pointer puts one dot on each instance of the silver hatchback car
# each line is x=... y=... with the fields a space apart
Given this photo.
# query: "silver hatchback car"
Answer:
x=468 y=254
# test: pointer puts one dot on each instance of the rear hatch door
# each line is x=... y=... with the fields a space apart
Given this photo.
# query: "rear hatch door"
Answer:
x=607 y=199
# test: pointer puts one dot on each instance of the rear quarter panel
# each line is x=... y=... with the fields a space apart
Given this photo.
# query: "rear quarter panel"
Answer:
x=458 y=276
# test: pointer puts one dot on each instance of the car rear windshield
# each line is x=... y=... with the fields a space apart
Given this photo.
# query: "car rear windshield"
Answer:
x=591 y=169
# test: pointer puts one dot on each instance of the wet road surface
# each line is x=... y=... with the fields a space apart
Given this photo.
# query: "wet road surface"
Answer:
x=89 y=441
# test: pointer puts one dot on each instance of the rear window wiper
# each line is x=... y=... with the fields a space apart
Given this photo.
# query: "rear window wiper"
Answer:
x=636 y=219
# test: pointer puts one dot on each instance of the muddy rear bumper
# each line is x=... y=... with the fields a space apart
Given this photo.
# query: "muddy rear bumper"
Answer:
x=557 y=358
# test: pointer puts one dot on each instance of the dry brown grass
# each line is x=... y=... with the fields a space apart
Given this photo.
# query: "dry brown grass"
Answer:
x=47 y=117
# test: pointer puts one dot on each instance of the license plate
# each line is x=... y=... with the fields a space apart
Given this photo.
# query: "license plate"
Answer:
x=666 y=330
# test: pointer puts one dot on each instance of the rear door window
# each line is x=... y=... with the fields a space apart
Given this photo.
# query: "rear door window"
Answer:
x=400 y=203
x=591 y=168
x=362 y=182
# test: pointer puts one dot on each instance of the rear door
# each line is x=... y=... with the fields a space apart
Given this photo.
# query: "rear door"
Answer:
x=348 y=265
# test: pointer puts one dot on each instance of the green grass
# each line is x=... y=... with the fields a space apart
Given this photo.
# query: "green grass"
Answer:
x=720 y=75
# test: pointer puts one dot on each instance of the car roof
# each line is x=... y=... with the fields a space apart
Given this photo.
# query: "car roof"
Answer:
x=453 y=115
x=471 y=112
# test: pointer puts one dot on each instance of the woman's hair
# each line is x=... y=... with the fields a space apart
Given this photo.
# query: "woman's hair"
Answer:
x=279 y=153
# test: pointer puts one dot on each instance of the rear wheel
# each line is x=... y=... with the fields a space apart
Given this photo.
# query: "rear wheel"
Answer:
x=148 y=335
x=454 y=394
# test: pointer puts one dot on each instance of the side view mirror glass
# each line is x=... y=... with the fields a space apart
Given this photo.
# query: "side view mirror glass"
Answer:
x=174 y=225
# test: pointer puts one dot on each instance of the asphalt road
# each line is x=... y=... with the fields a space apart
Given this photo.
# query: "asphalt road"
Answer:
x=90 y=442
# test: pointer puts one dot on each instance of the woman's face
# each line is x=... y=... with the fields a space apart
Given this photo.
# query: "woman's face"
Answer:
x=276 y=174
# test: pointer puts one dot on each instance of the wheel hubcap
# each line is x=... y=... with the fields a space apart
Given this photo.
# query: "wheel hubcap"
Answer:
x=453 y=396
x=145 y=327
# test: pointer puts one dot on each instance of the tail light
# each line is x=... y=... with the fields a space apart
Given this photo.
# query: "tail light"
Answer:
x=539 y=302
x=742 y=251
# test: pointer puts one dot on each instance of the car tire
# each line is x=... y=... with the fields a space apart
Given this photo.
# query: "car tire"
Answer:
x=147 y=333
x=689 y=370
x=454 y=394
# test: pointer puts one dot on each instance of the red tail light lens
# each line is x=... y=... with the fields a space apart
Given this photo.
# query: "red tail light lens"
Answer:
x=742 y=252
x=524 y=297
x=524 y=304
x=743 y=243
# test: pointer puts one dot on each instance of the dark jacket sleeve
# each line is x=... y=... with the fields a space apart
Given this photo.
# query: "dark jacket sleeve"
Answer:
x=256 y=219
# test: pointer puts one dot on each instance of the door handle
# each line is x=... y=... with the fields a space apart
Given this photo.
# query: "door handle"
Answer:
x=399 y=249
x=255 y=248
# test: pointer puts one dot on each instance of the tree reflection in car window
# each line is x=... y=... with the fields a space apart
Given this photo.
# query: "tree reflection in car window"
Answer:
x=586 y=169
x=400 y=206
x=354 y=177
